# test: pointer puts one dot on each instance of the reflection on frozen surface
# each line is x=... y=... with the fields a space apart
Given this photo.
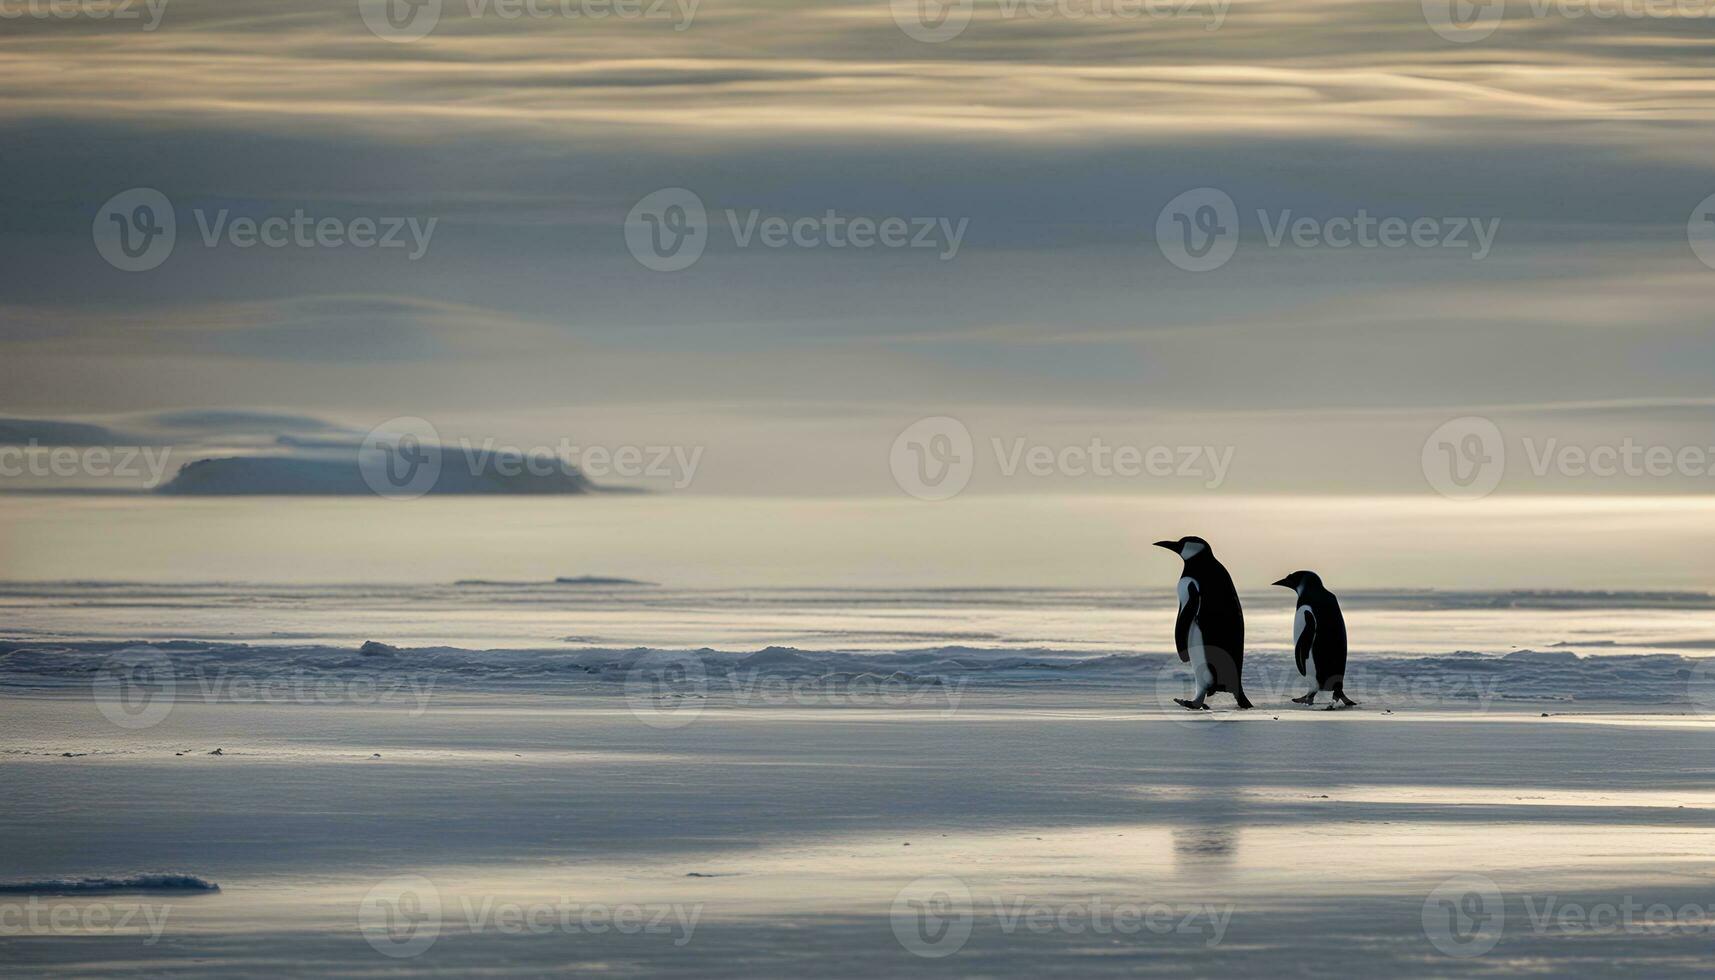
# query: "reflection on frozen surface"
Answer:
x=1206 y=847
x=798 y=826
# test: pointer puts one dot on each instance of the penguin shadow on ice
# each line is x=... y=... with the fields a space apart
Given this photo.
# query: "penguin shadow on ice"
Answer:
x=1210 y=846
x=1206 y=814
x=1318 y=639
x=1209 y=821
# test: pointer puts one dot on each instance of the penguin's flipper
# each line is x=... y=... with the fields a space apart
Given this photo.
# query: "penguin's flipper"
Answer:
x=1303 y=637
x=1188 y=609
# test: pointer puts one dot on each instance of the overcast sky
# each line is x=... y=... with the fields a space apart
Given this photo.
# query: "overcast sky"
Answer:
x=1050 y=136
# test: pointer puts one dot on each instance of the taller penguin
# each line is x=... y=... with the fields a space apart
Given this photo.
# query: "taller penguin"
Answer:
x=1210 y=633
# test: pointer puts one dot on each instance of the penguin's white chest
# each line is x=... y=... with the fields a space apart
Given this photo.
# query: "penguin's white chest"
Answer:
x=1194 y=641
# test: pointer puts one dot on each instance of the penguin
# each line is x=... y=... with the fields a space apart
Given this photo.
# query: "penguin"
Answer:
x=1318 y=637
x=1210 y=632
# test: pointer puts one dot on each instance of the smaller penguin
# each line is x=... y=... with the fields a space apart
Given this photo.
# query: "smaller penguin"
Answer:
x=1318 y=637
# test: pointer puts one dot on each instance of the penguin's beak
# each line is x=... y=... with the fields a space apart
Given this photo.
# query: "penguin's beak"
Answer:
x=1172 y=546
x=1285 y=583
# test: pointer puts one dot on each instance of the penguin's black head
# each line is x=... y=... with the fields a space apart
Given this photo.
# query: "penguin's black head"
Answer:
x=1299 y=581
x=1187 y=547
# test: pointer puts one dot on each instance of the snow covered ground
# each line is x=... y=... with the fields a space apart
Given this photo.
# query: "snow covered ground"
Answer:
x=1070 y=833
x=843 y=809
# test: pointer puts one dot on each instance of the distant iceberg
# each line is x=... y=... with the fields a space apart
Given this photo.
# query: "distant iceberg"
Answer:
x=239 y=452
x=578 y=580
x=343 y=475
x=156 y=882
x=49 y=432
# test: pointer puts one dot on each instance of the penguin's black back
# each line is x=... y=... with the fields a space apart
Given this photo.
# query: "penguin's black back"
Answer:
x=1220 y=618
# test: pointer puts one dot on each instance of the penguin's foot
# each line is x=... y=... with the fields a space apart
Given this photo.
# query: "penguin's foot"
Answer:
x=1348 y=702
x=1245 y=705
x=1306 y=699
x=1193 y=705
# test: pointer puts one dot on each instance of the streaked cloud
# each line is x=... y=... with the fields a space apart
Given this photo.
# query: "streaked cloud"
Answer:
x=1057 y=138
x=749 y=70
